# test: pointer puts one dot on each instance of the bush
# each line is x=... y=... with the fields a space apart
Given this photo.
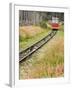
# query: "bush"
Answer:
x=43 y=24
x=21 y=38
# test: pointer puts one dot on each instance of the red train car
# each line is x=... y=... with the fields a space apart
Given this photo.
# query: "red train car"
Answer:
x=55 y=23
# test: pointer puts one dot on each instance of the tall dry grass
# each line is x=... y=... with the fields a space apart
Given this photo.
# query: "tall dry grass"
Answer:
x=46 y=62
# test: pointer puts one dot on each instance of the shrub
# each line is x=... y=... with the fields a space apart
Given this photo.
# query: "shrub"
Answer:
x=21 y=38
x=43 y=24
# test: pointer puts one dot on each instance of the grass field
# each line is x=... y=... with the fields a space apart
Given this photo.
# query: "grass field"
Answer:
x=48 y=61
x=30 y=35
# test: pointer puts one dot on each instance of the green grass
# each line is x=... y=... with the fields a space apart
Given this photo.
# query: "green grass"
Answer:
x=28 y=41
x=61 y=28
x=60 y=34
x=46 y=62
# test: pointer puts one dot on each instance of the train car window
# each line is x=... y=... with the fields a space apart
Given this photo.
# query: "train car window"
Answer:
x=55 y=20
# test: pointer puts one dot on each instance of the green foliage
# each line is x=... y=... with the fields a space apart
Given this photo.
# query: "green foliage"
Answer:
x=28 y=41
x=61 y=28
x=43 y=24
x=21 y=38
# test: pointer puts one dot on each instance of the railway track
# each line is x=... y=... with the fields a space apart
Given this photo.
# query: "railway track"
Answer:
x=30 y=50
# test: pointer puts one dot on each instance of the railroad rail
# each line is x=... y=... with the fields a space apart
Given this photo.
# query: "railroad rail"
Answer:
x=30 y=50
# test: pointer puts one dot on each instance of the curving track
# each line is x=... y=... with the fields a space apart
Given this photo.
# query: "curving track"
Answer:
x=30 y=50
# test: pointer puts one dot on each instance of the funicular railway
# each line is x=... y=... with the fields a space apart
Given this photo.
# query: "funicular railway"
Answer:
x=30 y=50
x=25 y=53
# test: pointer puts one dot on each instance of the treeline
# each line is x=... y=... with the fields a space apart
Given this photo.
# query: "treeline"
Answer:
x=36 y=17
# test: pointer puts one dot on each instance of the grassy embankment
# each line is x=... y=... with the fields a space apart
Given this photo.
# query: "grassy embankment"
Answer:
x=30 y=35
x=47 y=61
